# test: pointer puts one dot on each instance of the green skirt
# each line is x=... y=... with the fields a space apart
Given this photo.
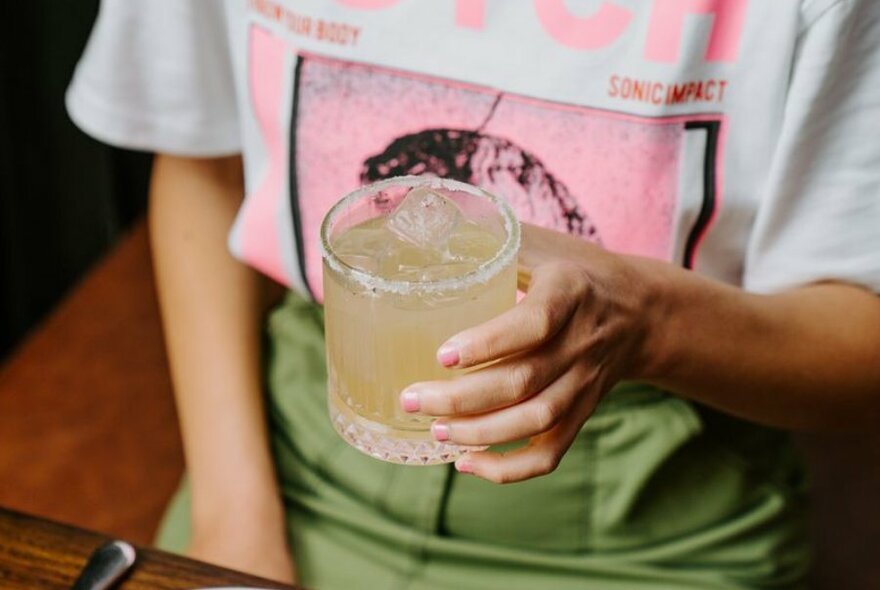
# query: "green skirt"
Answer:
x=656 y=492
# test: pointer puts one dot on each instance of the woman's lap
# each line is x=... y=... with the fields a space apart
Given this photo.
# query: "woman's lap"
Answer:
x=647 y=497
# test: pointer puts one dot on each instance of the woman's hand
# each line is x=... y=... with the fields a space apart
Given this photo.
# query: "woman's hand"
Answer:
x=579 y=330
x=253 y=541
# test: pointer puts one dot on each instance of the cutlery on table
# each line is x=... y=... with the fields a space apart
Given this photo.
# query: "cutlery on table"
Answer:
x=106 y=566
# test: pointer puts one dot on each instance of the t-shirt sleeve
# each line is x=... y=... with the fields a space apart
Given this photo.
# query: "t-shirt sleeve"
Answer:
x=157 y=75
x=819 y=217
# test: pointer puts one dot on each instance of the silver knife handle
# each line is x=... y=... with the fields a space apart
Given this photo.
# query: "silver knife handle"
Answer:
x=106 y=565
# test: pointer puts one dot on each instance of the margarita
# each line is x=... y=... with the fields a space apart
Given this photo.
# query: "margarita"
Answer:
x=408 y=262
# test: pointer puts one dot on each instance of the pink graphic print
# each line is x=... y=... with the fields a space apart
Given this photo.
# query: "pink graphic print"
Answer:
x=591 y=32
x=665 y=33
x=261 y=215
x=470 y=13
x=607 y=177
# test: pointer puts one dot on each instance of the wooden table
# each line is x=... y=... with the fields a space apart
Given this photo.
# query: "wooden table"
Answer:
x=37 y=554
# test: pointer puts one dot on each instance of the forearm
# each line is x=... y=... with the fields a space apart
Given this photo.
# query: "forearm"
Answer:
x=212 y=309
x=805 y=359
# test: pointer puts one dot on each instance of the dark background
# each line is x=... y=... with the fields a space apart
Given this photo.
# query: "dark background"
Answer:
x=64 y=198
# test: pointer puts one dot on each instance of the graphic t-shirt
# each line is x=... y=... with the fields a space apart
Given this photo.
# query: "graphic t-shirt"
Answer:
x=735 y=137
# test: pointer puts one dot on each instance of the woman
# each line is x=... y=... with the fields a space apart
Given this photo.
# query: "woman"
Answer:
x=703 y=271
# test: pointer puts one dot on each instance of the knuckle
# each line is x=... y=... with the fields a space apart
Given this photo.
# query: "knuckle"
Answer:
x=500 y=472
x=502 y=477
x=556 y=267
x=564 y=270
x=544 y=458
x=521 y=381
x=545 y=461
x=542 y=321
x=548 y=464
x=485 y=345
x=492 y=475
x=546 y=414
x=486 y=349
x=571 y=275
x=473 y=434
x=456 y=403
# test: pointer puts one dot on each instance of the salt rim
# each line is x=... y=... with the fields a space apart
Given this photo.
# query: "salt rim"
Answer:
x=481 y=274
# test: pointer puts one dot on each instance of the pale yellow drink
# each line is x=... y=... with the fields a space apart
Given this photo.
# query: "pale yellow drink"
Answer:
x=391 y=301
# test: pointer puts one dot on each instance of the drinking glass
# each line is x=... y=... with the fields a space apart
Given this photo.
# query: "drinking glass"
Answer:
x=400 y=278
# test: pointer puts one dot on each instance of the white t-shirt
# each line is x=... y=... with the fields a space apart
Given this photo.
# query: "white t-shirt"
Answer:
x=740 y=138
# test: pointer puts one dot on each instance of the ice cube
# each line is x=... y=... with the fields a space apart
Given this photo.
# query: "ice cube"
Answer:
x=402 y=258
x=362 y=241
x=425 y=218
x=362 y=247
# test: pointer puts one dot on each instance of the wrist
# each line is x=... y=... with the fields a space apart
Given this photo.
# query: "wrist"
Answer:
x=264 y=520
x=236 y=504
x=657 y=303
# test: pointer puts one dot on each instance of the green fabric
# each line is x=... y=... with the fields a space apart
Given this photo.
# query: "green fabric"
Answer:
x=655 y=493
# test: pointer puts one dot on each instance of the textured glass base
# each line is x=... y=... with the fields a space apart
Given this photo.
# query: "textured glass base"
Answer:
x=383 y=443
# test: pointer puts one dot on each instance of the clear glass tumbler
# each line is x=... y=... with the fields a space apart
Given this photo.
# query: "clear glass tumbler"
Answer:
x=408 y=262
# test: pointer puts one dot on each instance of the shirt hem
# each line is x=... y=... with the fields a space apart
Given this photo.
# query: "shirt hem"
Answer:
x=119 y=128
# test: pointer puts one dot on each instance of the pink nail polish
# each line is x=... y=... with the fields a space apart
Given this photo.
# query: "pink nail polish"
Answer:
x=464 y=466
x=440 y=432
x=448 y=355
x=409 y=401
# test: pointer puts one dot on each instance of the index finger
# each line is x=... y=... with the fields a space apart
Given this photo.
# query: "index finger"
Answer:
x=534 y=321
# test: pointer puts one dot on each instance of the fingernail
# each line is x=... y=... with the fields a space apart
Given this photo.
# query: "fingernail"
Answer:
x=464 y=466
x=448 y=355
x=409 y=401
x=440 y=431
